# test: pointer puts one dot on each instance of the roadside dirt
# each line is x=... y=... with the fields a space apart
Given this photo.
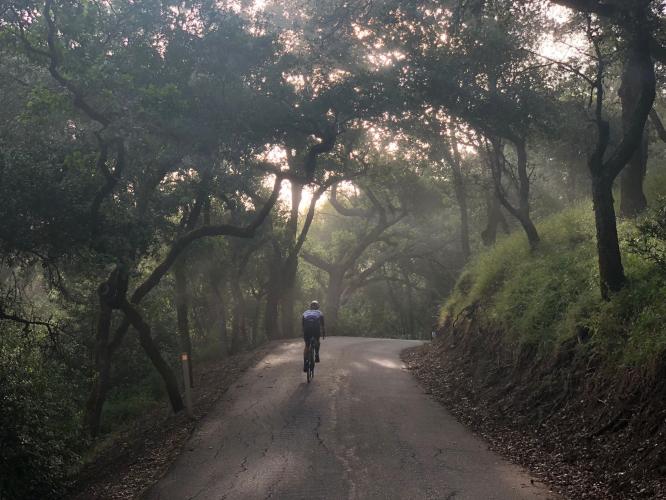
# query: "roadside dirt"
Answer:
x=141 y=455
x=588 y=433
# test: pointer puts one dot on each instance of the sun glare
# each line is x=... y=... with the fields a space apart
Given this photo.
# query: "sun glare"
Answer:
x=565 y=47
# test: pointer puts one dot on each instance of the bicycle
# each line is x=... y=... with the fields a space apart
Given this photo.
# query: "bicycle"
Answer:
x=310 y=359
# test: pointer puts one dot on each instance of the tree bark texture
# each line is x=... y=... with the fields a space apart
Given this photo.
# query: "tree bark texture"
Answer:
x=494 y=219
x=151 y=349
x=611 y=271
x=103 y=364
x=605 y=168
x=632 y=197
x=290 y=266
x=522 y=181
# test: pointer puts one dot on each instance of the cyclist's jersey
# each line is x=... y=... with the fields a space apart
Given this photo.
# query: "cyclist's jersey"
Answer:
x=313 y=320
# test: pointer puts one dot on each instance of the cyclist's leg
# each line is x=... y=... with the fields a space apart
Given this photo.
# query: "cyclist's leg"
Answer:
x=305 y=353
x=317 y=344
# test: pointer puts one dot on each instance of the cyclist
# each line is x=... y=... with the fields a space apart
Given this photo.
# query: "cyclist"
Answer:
x=313 y=326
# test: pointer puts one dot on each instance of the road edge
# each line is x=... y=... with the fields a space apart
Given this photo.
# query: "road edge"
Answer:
x=131 y=472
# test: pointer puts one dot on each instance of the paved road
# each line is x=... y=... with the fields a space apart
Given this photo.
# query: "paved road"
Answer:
x=363 y=429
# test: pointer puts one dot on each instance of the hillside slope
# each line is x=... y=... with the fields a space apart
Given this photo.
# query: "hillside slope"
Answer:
x=530 y=356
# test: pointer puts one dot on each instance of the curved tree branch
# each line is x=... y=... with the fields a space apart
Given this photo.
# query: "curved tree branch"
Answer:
x=54 y=61
x=317 y=261
x=310 y=215
x=112 y=179
x=346 y=211
x=180 y=244
x=326 y=145
x=26 y=322
x=201 y=232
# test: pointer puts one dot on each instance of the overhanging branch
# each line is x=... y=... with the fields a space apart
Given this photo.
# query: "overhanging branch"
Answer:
x=202 y=232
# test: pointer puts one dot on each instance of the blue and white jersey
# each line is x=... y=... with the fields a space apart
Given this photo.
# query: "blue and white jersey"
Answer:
x=313 y=321
x=312 y=315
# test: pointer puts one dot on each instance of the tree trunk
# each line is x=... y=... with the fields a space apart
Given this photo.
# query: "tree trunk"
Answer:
x=290 y=266
x=238 y=338
x=180 y=276
x=154 y=354
x=524 y=195
x=397 y=307
x=103 y=364
x=494 y=217
x=271 y=316
x=464 y=227
x=632 y=197
x=110 y=293
x=604 y=172
x=218 y=314
x=452 y=156
x=530 y=229
x=287 y=299
x=611 y=272
x=333 y=296
x=288 y=304
x=522 y=211
x=256 y=322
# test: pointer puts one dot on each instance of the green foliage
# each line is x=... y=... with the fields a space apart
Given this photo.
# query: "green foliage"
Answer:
x=550 y=296
x=38 y=421
x=41 y=106
x=650 y=239
x=128 y=403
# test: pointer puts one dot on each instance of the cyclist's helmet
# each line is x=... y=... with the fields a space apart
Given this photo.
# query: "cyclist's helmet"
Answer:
x=314 y=305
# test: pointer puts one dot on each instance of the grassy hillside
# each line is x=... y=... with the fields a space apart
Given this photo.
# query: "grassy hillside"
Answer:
x=546 y=298
x=564 y=383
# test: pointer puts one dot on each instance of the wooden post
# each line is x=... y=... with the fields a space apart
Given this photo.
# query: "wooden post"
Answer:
x=187 y=382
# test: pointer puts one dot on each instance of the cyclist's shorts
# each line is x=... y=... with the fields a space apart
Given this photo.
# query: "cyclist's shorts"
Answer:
x=311 y=335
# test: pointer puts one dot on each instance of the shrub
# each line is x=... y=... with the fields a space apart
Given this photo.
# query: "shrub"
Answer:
x=650 y=239
x=38 y=423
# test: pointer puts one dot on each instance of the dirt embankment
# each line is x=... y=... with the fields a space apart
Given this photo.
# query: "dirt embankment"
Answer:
x=590 y=431
x=137 y=458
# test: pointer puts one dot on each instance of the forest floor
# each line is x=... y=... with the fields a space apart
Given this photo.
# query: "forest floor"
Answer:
x=131 y=461
x=560 y=450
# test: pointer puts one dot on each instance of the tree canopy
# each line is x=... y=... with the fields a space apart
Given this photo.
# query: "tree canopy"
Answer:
x=186 y=176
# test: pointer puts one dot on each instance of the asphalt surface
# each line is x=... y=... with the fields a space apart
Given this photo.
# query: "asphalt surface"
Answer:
x=362 y=429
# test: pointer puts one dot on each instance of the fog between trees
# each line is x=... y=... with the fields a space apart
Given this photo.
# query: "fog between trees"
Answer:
x=187 y=176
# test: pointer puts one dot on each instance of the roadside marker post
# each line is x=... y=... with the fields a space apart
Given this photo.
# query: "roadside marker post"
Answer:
x=187 y=382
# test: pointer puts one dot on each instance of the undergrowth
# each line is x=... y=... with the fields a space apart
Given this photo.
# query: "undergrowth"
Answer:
x=548 y=297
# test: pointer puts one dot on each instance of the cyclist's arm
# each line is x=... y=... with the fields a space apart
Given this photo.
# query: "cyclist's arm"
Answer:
x=323 y=327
